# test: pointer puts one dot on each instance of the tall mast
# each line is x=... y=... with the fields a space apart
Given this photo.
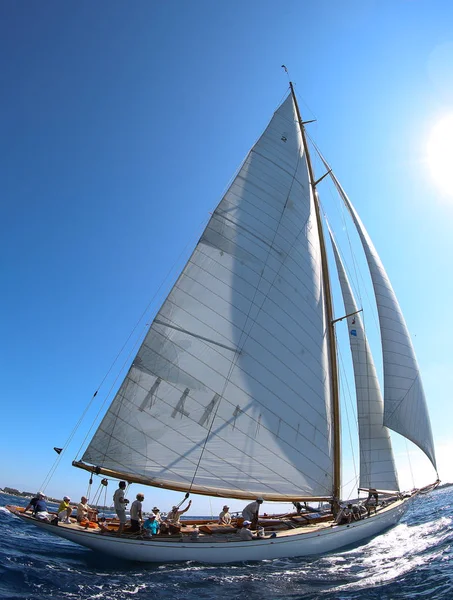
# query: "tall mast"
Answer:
x=329 y=311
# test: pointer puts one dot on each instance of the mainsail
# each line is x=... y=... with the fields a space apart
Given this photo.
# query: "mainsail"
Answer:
x=377 y=466
x=230 y=391
x=405 y=409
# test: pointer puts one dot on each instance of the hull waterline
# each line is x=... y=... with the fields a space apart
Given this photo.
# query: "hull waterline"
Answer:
x=298 y=542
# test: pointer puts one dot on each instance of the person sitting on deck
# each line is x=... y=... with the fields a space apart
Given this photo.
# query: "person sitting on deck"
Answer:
x=136 y=513
x=39 y=506
x=151 y=526
x=85 y=512
x=64 y=510
x=174 y=516
x=224 y=516
x=194 y=534
x=344 y=516
x=372 y=501
x=250 y=512
x=156 y=513
x=245 y=533
x=356 y=512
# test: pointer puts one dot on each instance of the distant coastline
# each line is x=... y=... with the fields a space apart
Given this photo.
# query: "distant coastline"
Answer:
x=28 y=495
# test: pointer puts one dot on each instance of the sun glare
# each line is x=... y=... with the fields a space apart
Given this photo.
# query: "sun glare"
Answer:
x=440 y=154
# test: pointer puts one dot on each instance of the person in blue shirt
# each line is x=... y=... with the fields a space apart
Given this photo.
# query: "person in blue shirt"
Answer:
x=39 y=506
x=151 y=526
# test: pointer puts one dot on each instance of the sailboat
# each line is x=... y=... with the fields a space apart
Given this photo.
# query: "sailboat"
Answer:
x=234 y=391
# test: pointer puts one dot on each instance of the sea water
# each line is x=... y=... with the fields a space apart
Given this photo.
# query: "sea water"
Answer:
x=412 y=560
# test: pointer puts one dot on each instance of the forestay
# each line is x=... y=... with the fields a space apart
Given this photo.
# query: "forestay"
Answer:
x=377 y=466
x=230 y=391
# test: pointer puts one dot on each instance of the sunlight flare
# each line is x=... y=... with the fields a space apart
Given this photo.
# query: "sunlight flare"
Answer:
x=440 y=154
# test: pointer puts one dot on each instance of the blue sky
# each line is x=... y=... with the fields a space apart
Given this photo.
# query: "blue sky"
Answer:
x=121 y=126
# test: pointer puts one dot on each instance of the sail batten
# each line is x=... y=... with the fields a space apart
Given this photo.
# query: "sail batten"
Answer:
x=231 y=387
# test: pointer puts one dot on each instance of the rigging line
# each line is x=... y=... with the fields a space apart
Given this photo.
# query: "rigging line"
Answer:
x=125 y=363
x=105 y=498
x=410 y=463
x=353 y=254
x=343 y=208
x=370 y=363
x=138 y=340
x=363 y=464
x=81 y=418
x=354 y=485
x=357 y=289
x=305 y=103
x=238 y=169
x=351 y=403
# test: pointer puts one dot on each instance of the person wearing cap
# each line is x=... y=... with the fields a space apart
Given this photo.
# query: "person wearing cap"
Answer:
x=64 y=510
x=156 y=513
x=174 y=516
x=120 y=503
x=84 y=512
x=344 y=516
x=224 y=516
x=245 y=533
x=136 y=512
x=151 y=526
x=39 y=506
x=250 y=512
x=163 y=525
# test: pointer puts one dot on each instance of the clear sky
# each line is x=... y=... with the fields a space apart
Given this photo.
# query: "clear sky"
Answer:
x=122 y=124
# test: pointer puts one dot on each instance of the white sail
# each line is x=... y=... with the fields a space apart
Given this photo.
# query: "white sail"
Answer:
x=405 y=409
x=230 y=391
x=377 y=465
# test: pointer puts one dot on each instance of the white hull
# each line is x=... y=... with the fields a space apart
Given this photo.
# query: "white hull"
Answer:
x=298 y=542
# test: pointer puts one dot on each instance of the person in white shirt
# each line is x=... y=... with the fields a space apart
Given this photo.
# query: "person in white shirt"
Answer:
x=84 y=512
x=224 y=516
x=120 y=503
x=174 y=516
x=136 y=513
x=245 y=533
x=250 y=512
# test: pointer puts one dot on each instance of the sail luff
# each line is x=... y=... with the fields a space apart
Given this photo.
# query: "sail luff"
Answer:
x=336 y=489
x=377 y=465
x=405 y=408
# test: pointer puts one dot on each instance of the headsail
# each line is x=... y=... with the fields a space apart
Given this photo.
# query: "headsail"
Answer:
x=377 y=466
x=405 y=409
x=230 y=391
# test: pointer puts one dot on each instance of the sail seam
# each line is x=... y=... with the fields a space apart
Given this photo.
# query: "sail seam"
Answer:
x=196 y=335
x=257 y=361
x=304 y=318
x=310 y=406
